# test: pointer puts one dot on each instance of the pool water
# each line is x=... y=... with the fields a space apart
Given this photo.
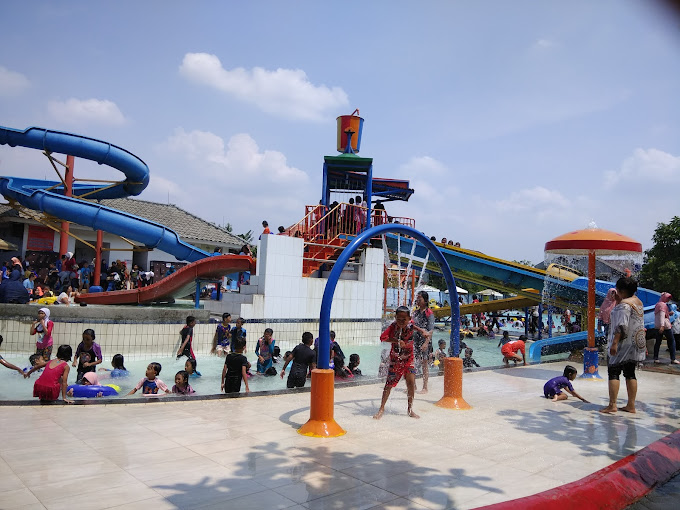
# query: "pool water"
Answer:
x=15 y=387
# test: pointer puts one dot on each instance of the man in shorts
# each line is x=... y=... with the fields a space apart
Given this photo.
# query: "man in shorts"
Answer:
x=400 y=335
x=511 y=350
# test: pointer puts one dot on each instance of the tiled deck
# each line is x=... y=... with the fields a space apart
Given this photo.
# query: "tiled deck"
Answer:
x=245 y=453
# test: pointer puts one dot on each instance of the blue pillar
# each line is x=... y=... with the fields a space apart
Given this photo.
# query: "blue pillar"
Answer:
x=369 y=195
x=540 y=320
x=325 y=192
x=526 y=323
x=550 y=321
x=197 y=303
x=327 y=300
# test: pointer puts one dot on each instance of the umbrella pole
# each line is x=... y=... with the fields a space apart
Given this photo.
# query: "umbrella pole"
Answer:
x=590 y=354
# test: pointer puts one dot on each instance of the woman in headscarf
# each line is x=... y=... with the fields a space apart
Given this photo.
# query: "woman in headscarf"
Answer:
x=662 y=324
x=43 y=328
x=625 y=343
x=12 y=290
x=606 y=309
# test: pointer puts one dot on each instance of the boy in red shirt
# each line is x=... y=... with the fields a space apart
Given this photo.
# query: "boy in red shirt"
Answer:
x=510 y=351
x=400 y=335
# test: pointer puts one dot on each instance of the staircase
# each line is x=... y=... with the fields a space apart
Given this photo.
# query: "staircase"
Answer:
x=316 y=254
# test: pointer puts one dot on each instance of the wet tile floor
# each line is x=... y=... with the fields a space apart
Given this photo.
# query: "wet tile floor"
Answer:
x=245 y=453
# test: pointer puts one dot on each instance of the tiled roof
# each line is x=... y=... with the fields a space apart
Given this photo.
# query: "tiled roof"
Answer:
x=184 y=223
x=188 y=226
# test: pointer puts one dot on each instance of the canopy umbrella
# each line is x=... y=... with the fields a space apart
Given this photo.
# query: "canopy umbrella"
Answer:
x=458 y=289
x=4 y=245
x=490 y=292
x=592 y=242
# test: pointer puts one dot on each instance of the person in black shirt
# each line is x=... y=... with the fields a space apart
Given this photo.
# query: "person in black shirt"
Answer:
x=302 y=357
x=235 y=369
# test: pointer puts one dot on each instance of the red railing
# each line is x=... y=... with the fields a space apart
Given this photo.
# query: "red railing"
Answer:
x=326 y=230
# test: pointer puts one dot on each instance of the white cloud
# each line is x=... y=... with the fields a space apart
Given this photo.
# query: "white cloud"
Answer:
x=532 y=199
x=234 y=180
x=12 y=82
x=86 y=111
x=645 y=166
x=543 y=44
x=284 y=92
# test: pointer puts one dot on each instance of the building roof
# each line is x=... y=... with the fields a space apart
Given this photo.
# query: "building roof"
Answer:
x=188 y=226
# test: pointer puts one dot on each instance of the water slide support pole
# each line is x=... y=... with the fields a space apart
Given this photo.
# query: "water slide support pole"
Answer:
x=68 y=191
x=197 y=301
x=96 y=280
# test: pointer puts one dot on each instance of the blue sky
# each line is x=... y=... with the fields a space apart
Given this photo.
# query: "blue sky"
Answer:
x=515 y=121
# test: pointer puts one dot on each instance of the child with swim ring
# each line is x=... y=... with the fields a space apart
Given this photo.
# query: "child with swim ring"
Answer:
x=553 y=388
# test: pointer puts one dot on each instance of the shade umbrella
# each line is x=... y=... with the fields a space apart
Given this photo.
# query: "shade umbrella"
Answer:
x=490 y=292
x=458 y=289
x=4 y=245
x=592 y=242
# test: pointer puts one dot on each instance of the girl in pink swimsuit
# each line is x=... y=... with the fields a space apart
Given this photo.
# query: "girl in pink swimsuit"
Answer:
x=54 y=377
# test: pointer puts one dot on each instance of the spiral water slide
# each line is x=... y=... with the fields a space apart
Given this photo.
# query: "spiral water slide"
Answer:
x=48 y=197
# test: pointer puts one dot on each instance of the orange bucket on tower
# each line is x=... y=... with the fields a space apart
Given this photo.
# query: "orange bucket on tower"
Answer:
x=352 y=123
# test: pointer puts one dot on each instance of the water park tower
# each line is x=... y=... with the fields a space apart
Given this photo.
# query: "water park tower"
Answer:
x=351 y=174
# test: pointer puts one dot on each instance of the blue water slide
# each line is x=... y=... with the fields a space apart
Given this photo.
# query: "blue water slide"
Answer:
x=521 y=277
x=48 y=196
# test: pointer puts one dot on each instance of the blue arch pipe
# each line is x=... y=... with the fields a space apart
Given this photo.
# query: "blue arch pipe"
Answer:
x=366 y=235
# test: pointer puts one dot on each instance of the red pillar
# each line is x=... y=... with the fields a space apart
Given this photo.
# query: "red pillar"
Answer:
x=98 y=259
x=591 y=298
x=68 y=179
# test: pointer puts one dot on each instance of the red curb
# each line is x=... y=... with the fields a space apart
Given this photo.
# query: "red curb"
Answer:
x=614 y=487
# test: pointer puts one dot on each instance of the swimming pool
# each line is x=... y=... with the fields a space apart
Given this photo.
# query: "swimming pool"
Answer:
x=14 y=387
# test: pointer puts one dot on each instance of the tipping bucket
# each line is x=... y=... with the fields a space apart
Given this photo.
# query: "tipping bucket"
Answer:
x=356 y=124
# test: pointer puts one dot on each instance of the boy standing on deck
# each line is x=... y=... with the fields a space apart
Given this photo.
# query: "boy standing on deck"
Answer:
x=400 y=335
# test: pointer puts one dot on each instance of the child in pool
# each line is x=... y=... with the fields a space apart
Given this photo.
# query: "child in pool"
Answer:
x=237 y=332
x=235 y=368
x=182 y=386
x=400 y=335
x=54 y=378
x=187 y=337
x=504 y=339
x=118 y=364
x=341 y=371
x=43 y=328
x=277 y=354
x=264 y=350
x=151 y=384
x=7 y=364
x=89 y=379
x=34 y=359
x=440 y=354
x=468 y=360
x=353 y=366
x=222 y=337
x=303 y=358
x=88 y=354
x=190 y=368
x=553 y=388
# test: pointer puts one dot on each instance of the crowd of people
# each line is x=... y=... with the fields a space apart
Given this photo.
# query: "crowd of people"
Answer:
x=229 y=341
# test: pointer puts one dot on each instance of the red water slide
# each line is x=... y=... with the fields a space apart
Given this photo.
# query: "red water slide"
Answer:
x=179 y=284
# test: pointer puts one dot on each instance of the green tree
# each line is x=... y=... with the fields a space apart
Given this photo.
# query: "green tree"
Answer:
x=661 y=270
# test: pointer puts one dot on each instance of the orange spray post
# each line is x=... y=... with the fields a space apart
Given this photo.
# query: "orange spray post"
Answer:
x=321 y=422
x=453 y=386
